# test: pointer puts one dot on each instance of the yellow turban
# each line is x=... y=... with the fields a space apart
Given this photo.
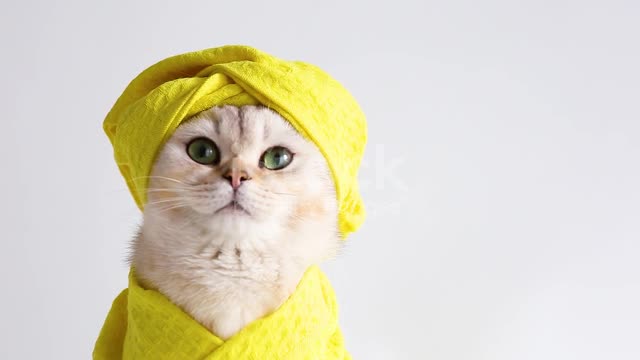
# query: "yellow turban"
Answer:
x=169 y=92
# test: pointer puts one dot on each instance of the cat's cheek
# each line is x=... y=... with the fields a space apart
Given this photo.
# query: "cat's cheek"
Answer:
x=307 y=210
x=284 y=183
x=313 y=208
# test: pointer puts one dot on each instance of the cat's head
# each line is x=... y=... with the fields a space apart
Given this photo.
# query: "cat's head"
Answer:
x=242 y=177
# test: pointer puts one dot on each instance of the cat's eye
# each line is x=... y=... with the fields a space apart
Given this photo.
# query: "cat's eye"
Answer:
x=203 y=151
x=276 y=158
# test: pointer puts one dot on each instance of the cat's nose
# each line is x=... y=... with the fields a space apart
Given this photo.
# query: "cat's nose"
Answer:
x=236 y=178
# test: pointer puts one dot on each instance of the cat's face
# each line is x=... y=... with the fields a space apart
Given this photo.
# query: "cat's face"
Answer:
x=241 y=173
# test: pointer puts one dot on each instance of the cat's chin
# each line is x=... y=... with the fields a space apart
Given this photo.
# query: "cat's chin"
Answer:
x=232 y=220
x=233 y=208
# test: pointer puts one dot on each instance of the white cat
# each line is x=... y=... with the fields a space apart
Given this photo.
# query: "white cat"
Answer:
x=239 y=206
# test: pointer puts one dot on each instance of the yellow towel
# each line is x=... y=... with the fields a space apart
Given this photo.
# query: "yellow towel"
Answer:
x=167 y=93
x=144 y=325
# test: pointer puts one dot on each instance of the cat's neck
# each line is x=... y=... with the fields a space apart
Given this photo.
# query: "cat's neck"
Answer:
x=224 y=283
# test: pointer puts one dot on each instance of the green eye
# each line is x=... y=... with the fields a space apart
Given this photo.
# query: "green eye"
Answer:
x=203 y=151
x=276 y=158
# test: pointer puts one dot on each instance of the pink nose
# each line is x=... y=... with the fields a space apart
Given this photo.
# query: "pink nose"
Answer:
x=236 y=178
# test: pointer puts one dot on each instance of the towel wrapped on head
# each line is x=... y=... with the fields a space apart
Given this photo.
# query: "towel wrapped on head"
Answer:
x=169 y=92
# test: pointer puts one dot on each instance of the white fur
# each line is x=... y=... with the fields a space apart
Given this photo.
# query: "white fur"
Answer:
x=227 y=269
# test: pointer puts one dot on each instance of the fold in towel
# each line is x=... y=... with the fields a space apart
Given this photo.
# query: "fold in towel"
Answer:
x=143 y=324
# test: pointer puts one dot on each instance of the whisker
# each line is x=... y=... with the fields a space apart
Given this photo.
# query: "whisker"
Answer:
x=161 y=189
x=189 y=220
x=280 y=193
x=169 y=208
x=194 y=188
x=164 y=201
x=161 y=178
x=274 y=192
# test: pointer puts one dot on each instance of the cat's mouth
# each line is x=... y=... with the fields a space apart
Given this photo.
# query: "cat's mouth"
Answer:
x=233 y=207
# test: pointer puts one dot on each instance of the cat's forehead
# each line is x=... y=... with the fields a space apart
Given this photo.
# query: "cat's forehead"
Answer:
x=240 y=126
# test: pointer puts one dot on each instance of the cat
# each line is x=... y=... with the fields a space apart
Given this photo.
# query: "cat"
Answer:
x=239 y=206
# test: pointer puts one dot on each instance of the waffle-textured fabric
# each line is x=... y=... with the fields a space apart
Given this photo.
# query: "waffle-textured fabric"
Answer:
x=174 y=89
x=144 y=325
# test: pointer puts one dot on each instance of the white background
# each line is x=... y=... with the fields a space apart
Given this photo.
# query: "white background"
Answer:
x=502 y=174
